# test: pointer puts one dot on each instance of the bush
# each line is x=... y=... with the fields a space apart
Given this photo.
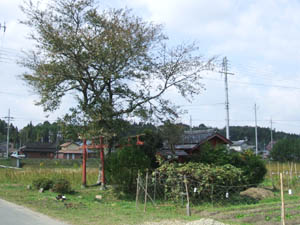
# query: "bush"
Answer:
x=62 y=186
x=254 y=168
x=123 y=165
x=43 y=182
x=208 y=179
x=209 y=154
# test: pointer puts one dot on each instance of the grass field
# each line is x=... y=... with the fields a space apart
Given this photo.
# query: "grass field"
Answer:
x=117 y=208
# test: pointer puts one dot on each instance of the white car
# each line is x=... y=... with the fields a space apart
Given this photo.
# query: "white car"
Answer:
x=17 y=155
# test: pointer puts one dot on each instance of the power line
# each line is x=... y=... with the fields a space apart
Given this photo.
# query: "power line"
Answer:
x=254 y=84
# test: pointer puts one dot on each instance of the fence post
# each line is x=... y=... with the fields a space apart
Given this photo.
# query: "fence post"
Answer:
x=188 y=211
x=84 y=164
x=137 y=189
x=154 y=194
x=282 y=201
x=212 y=195
x=146 y=191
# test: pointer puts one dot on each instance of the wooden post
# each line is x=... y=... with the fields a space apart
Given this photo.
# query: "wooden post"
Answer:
x=137 y=190
x=188 y=211
x=154 y=194
x=146 y=192
x=291 y=172
x=277 y=168
x=84 y=163
x=102 y=162
x=282 y=201
x=270 y=172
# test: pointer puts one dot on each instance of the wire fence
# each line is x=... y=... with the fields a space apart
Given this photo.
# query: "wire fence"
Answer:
x=181 y=190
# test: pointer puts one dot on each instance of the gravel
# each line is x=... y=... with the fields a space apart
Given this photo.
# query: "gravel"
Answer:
x=202 y=221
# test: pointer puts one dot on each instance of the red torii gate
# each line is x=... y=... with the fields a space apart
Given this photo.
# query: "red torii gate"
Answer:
x=101 y=146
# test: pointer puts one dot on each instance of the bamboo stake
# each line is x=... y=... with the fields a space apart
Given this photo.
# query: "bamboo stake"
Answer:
x=188 y=211
x=282 y=201
x=154 y=194
x=270 y=172
x=149 y=196
x=291 y=171
x=137 y=190
x=146 y=192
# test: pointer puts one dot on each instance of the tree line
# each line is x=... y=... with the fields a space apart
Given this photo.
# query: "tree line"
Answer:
x=59 y=132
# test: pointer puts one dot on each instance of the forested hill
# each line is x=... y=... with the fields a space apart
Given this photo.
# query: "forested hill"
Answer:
x=263 y=134
x=3 y=132
x=47 y=132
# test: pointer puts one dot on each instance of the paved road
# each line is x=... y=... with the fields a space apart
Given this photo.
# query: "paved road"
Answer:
x=12 y=214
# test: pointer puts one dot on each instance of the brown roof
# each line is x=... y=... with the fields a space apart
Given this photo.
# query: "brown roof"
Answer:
x=67 y=144
x=39 y=147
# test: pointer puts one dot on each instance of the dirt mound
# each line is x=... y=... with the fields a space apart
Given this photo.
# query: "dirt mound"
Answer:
x=257 y=193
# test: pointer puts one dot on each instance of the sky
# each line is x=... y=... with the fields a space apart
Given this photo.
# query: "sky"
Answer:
x=261 y=40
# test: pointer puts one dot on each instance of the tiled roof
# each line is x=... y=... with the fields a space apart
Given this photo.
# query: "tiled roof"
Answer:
x=197 y=136
x=39 y=147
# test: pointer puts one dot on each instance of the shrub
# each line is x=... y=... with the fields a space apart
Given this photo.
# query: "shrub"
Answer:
x=62 y=186
x=208 y=179
x=209 y=154
x=254 y=168
x=43 y=182
x=123 y=165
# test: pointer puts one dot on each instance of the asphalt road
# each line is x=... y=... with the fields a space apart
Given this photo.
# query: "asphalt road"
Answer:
x=12 y=214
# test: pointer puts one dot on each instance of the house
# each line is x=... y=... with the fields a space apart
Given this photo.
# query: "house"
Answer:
x=191 y=143
x=270 y=146
x=241 y=145
x=3 y=149
x=69 y=150
x=72 y=150
x=39 y=150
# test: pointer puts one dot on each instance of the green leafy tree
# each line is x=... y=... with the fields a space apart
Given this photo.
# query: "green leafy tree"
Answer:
x=171 y=133
x=116 y=64
x=286 y=150
x=209 y=154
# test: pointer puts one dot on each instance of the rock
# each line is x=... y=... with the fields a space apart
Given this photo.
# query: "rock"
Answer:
x=257 y=193
x=41 y=190
x=98 y=197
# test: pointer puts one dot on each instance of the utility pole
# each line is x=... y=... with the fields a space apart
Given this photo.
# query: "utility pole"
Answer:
x=271 y=134
x=8 y=127
x=191 y=123
x=3 y=27
x=256 y=144
x=225 y=72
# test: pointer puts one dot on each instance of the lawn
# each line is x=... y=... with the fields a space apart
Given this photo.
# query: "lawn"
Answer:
x=81 y=207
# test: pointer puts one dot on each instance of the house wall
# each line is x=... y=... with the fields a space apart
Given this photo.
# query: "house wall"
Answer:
x=43 y=155
x=70 y=156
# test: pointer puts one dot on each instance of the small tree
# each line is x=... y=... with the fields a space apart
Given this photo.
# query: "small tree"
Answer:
x=286 y=150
